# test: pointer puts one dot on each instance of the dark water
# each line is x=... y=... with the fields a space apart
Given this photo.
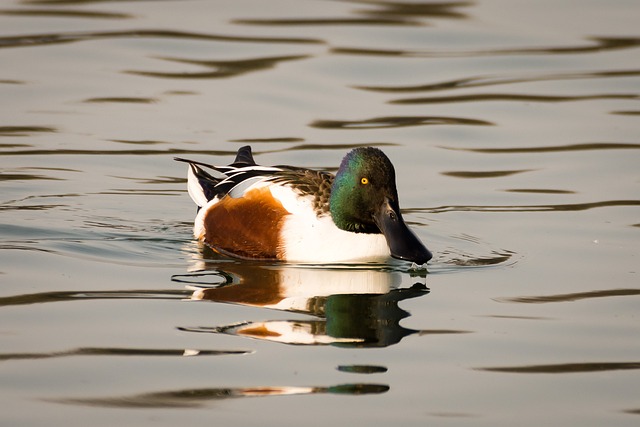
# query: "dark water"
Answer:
x=514 y=130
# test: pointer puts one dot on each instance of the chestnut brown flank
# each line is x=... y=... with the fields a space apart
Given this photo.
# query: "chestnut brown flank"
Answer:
x=248 y=226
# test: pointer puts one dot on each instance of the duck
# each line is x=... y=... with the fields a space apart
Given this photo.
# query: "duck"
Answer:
x=300 y=215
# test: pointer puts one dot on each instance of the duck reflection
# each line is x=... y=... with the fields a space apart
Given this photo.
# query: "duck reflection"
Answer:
x=196 y=398
x=353 y=307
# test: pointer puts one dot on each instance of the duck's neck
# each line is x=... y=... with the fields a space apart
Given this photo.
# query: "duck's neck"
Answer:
x=342 y=209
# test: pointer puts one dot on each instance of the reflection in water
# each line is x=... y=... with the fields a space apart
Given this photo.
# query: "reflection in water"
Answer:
x=64 y=13
x=529 y=208
x=194 y=398
x=326 y=21
x=481 y=81
x=483 y=97
x=539 y=191
x=626 y=113
x=440 y=9
x=484 y=174
x=377 y=13
x=24 y=130
x=290 y=139
x=26 y=177
x=98 y=351
x=42 y=297
x=354 y=307
x=566 y=368
x=553 y=148
x=311 y=147
x=174 y=151
x=101 y=152
x=220 y=68
x=362 y=369
x=28 y=208
x=596 y=44
x=57 y=38
x=572 y=297
x=396 y=122
x=121 y=99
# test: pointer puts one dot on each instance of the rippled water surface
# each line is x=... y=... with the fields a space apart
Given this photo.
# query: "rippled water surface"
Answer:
x=513 y=127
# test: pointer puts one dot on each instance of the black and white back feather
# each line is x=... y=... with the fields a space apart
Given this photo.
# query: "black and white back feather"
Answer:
x=234 y=179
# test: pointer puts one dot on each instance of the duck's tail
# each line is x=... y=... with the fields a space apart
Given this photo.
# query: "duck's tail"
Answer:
x=203 y=186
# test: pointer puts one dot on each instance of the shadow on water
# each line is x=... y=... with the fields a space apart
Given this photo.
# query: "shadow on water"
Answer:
x=355 y=306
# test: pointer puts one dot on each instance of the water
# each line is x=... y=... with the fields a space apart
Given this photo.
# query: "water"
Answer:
x=513 y=127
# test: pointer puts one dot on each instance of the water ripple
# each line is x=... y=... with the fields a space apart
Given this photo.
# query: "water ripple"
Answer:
x=111 y=351
x=483 y=97
x=221 y=69
x=570 y=207
x=484 y=174
x=57 y=38
x=461 y=259
x=396 y=121
x=553 y=148
x=49 y=13
x=328 y=21
x=482 y=81
x=566 y=368
x=44 y=297
x=25 y=130
x=596 y=44
x=606 y=293
x=377 y=13
x=121 y=99
x=26 y=177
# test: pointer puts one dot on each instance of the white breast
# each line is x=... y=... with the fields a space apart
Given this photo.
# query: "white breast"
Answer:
x=308 y=238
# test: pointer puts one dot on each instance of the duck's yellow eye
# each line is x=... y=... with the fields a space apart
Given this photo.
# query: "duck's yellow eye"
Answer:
x=364 y=180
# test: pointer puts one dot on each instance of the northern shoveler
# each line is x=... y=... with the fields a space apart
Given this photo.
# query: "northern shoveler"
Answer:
x=301 y=215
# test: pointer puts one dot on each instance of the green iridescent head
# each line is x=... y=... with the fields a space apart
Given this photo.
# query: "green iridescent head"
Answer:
x=364 y=199
x=365 y=178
